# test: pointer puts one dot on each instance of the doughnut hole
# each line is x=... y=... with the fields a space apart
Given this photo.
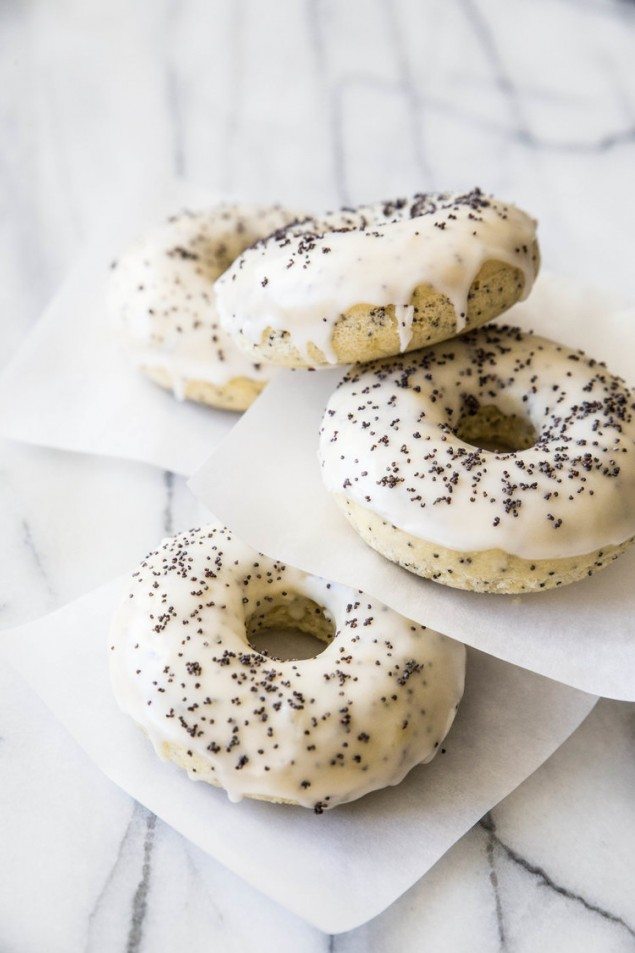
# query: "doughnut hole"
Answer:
x=488 y=428
x=289 y=627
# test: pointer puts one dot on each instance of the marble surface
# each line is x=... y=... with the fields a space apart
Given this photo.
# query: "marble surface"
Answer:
x=315 y=102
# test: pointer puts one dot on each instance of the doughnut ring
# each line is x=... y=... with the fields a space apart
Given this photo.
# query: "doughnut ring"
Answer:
x=319 y=732
x=378 y=280
x=498 y=462
x=163 y=305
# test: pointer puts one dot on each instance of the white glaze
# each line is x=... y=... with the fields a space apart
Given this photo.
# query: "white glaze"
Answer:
x=161 y=295
x=388 y=443
x=303 y=278
x=376 y=702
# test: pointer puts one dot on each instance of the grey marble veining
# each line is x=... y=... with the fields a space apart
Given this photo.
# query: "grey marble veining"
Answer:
x=314 y=102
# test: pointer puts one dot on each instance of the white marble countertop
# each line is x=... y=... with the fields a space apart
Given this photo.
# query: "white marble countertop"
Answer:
x=310 y=102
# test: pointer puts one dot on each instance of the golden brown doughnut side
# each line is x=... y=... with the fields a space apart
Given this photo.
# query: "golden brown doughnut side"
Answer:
x=237 y=394
x=365 y=332
x=490 y=570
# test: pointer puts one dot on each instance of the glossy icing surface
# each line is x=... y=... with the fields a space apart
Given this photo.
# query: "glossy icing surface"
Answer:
x=303 y=277
x=388 y=442
x=376 y=702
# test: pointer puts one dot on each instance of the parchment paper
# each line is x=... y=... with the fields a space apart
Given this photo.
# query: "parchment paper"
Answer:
x=264 y=482
x=344 y=867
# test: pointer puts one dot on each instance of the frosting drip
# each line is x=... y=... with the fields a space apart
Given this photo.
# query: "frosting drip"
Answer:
x=162 y=297
x=302 y=278
x=388 y=442
x=376 y=702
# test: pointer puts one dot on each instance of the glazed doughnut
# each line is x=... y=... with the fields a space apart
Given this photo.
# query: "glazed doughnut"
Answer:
x=498 y=462
x=163 y=305
x=364 y=283
x=377 y=701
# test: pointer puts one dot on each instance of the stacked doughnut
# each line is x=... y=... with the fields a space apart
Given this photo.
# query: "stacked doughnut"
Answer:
x=473 y=454
x=379 y=280
x=478 y=456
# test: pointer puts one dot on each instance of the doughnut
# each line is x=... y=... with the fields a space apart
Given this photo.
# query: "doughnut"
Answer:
x=498 y=462
x=378 y=280
x=318 y=732
x=163 y=307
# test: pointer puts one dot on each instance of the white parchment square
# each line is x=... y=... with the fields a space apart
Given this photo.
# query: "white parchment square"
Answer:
x=336 y=870
x=264 y=481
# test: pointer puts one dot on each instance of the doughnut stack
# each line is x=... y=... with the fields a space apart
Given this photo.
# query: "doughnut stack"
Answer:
x=475 y=455
x=472 y=454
